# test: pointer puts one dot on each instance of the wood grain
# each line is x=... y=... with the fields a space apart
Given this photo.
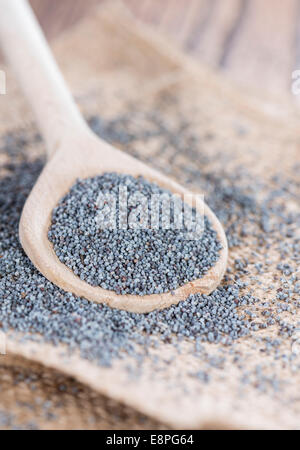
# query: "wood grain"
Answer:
x=255 y=43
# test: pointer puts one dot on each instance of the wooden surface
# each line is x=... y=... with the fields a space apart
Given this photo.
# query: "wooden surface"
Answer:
x=256 y=43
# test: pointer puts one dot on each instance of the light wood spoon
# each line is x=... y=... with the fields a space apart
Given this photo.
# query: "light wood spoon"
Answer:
x=74 y=151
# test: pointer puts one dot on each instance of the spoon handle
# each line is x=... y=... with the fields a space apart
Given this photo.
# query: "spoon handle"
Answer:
x=26 y=49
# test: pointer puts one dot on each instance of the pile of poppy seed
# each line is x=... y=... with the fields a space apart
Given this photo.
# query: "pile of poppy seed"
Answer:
x=143 y=260
x=41 y=311
x=34 y=306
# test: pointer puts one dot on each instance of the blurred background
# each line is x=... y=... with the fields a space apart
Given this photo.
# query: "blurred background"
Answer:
x=255 y=43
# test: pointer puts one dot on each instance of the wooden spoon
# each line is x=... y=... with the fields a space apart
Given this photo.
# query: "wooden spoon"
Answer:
x=74 y=151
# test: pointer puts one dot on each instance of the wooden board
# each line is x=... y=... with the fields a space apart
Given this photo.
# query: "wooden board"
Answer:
x=256 y=43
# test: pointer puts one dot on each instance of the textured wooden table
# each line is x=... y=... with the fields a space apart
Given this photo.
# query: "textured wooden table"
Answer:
x=254 y=42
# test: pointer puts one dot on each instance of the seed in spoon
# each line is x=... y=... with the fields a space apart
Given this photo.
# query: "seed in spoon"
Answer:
x=141 y=257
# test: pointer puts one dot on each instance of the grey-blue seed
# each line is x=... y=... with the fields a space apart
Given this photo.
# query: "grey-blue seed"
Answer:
x=128 y=261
